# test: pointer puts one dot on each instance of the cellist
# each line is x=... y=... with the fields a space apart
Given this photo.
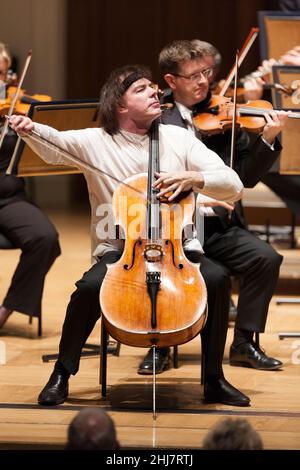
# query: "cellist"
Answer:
x=26 y=226
x=128 y=106
x=187 y=68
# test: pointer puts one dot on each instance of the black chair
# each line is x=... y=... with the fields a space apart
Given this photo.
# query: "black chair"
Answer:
x=6 y=244
x=103 y=360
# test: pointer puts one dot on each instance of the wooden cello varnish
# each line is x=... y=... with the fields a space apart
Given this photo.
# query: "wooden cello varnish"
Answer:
x=153 y=295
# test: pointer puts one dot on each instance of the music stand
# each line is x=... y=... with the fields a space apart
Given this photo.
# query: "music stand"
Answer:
x=279 y=32
x=62 y=115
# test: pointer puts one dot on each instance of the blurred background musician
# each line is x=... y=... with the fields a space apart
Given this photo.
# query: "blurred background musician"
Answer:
x=26 y=227
x=187 y=67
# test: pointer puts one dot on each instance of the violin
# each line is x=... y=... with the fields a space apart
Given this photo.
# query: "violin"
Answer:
x=23 y=101
x=152 y=296
x=217 y=117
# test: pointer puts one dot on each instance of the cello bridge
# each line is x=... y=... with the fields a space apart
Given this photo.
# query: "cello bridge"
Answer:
x=153 y=252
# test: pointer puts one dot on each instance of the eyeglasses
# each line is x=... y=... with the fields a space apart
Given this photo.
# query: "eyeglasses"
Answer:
x=195 y=76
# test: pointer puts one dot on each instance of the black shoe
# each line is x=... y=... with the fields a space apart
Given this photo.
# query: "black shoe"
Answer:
x=162 y=361
x=249 y=355
x=55 y=391
x=221 y=391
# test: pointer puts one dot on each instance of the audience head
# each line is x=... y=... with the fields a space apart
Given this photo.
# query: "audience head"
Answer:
x=92 y=429
x=232 y=434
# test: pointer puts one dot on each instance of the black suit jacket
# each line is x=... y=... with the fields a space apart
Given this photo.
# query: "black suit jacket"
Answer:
x=252 y=159
x=12 y=188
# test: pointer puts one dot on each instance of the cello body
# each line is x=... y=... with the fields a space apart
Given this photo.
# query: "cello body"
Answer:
x=177 y=310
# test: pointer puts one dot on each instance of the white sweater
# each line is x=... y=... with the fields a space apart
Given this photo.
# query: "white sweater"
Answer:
x=126 y=154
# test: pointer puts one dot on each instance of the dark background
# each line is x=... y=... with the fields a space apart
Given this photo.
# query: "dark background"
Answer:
x=104 y=34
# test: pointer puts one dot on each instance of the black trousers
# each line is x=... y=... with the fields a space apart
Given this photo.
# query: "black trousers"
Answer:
x=84 y=310
x=253 y=261
x=28 y=228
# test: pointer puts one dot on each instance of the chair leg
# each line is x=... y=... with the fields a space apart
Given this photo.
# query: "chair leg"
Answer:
x=103 y=359
x=202 y=362
x=175 y=357
x=39 y=332
x=40 y=326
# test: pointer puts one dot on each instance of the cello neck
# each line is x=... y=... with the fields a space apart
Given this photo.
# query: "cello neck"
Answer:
x=153 y=206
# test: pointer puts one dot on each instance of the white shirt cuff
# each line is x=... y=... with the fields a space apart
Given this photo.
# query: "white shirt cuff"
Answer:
x=267 y=143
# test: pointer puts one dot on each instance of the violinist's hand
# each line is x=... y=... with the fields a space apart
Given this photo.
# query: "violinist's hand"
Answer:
x=275 y=121
x=291 y=57
x=177 y=182
x=23 y=125
x=265 y=69
x=253 y=89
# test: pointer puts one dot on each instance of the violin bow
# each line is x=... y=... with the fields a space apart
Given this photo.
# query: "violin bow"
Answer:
x=88 y=166
x=233 y=132
x=244 y=51
x=13 y=103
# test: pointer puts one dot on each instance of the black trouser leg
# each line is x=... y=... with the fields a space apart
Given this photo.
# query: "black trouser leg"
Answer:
x=82 y=313
x=256 y=264
x=215 y=330
x=30 y=230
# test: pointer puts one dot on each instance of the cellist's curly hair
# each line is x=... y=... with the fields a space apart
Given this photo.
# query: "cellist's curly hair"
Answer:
x=113 y=90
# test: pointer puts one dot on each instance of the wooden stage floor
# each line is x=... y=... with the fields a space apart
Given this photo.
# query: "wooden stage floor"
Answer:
x=182 y=418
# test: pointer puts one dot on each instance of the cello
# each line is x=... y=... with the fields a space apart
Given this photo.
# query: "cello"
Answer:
x=152 y=296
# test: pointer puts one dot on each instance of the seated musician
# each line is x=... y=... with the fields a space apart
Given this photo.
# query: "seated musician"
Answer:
x=254 y=83
x=27 y=227
x=286 y=187
x=228 y=245
x=128 y=106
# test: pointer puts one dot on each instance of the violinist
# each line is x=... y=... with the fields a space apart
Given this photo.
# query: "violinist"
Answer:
x=254 y=84
x=286 y=187
x=27 y=227
x=128 y=106
x=227 y=244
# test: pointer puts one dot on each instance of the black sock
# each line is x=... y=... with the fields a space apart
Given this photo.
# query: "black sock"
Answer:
x=59 y=367
x=242 y=336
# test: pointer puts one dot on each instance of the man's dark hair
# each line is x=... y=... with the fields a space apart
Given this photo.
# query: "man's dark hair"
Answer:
x=113 y=90
x=92 y=429
x=206 y=48
x=232 y=434
x=176 y=52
